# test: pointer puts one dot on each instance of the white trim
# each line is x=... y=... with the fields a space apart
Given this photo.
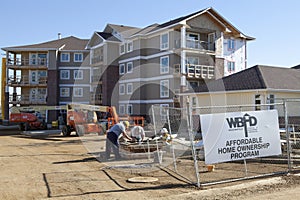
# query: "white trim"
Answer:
x=122 y=85
x=127 y=107
x=79 y=71
x=162 y=82
x=129 y=63
x=78 y=88
x=168 y=43
x=64 y=78
x=75 y=56
x=61 y=60
x=120 y=52
x=147 y=79
x=129 y=50
x=60 y=92
x=127 y=85
x=161 y=66
x=123 y=66
x=122 y=111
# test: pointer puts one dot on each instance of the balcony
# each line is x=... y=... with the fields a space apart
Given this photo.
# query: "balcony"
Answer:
x=196 y=71
x=27 y=100
x=38 y=63
x=97 y=59
x=196 y=45
x=24 y=81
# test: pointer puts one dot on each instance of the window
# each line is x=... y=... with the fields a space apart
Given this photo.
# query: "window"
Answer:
x=122 y=69
x=257 y=102
x=65 y=74
x=192 y=40
x=65 y=57
x=78 y=57
x=163 y=111
x=164 y=41
x=78 y=74
x=129 y=88
x=271 y=101
x=129 y=46
x=78 y=92
x=122 y=49
x=129 y=109
x=230 y=44
x=121 y=89
x=230 y=66
x=122 y=109
x=164 y=65
x=129 y=67
x=64 y=92
x=164 y=88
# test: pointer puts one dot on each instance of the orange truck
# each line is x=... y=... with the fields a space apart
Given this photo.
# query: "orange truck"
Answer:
x=28 y=121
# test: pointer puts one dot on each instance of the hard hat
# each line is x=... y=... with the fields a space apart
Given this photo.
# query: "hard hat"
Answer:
x=126 y=123
x=163 y=130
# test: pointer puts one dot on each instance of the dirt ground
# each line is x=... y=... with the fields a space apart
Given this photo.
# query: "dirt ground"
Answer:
x=59 y=167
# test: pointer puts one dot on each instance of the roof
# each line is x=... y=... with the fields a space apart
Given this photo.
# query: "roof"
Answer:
x=108 y=36
x=254 y=78
x=70 y=43
x=210 y=11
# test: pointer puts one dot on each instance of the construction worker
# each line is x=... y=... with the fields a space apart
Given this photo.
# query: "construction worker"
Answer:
x=138 y=133
x=112 y=139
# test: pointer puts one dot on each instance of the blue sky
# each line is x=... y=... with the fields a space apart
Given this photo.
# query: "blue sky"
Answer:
x=274 y=23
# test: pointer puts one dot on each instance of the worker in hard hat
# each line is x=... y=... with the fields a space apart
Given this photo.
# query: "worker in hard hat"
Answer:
x=166 y=137
x=138 y=133
x=112 y=138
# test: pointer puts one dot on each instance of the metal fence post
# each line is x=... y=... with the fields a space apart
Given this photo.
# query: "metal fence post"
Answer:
x=189 y=123
x=286 y=121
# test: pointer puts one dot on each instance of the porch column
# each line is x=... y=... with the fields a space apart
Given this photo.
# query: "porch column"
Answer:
x=183 y=36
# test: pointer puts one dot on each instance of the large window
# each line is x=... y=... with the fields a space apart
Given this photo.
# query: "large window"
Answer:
x=163 y=111
x=78 y=92
x=129 y=46
x=65 y=57
x=129 y=67
x=231 y=44
x=122 y=69
x=129 y=88
x=230 y=66
x=78 y=74
x=129 y=109
x=78 y=57
x=164 y=41
x=65 y=74
x=122 y=109
x=164 y=88
x=64 y=92
x=121 y=89
x=122 y=49
x=164 y=65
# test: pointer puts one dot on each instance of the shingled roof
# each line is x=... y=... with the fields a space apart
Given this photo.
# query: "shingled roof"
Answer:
x=257 y=77
x=67 y=43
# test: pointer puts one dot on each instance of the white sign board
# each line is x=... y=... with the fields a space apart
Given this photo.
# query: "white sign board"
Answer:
x=240 y=135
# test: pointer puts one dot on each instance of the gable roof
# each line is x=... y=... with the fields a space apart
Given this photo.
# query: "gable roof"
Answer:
x=70 y=43
x=254 y=78
x=215 y=15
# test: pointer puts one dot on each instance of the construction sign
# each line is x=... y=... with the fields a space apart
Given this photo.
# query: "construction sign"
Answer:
x=240 y=135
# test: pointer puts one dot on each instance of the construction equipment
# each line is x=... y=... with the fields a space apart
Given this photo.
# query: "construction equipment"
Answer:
x=85 y=119
x=31 y=117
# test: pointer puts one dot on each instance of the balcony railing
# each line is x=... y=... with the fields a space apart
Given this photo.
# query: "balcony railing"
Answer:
x=196 y=71
x=199 y=45
x=26 y=100
x=36 y=62
x=25 y=81
x=97 y=59
x=96 y=99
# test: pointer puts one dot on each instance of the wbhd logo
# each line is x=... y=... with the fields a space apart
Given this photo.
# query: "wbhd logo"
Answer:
x=247 y=122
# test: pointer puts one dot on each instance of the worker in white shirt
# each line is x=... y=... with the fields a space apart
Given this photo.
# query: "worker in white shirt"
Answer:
x=138 y=133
